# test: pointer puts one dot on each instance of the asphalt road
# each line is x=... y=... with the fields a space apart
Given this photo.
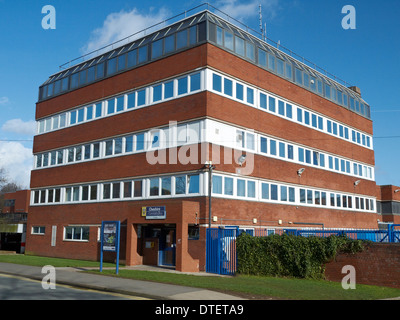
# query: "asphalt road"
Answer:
x=18 y=288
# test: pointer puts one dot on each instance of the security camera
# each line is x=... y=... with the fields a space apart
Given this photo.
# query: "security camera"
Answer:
x=300 y=171
x=242 y=159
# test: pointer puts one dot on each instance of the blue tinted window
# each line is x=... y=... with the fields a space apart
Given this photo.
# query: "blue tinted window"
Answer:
x=132 y=55
x=251 y=189
x=322 y=160
x=194 y=183
x=301 y=154
x=100 y=70
x=157 y=91
x=273 y=147
x=217 y=83
x=274 y=192
x=141 y=97
x=250 y=95
x=89 y=112
x=263 y=145
x=228 y=87
x=241 y=188
x=110 y=106
x=299 y=115
x=320 y=123
x=142 y=54
x=283 y=193
x=271 y=102
x=306 y=117
x=122 y=62
x=239 y=46
x=181 y=39
x=195 y=82
x=131 y=100
x=81 y=115
x=314 y=120
x=217 y=184
x=271 y=62
x=329 y=126
x=129 y=144
x=168 y=90
x=182 y=85
x=289 y=110
x=282 y=152
x=192 y=35
x=73 y=117
x=262 y=58
x=263 y=101
x=156 y=48
x=228 y=188
x=120 y=103
x=308 y=156
x=98 y=110
x=140 y=142
x=290 y=152
x=250 y=51
x=112 y=66
x=169 y=44
x=281 y=107
x=239 y=91
x=265 y=191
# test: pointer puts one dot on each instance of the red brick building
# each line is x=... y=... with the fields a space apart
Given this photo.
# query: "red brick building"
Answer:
x=134 y=127
x=13 y=219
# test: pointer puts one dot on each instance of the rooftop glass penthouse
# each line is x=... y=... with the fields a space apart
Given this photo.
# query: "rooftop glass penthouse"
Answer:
x=190 y=32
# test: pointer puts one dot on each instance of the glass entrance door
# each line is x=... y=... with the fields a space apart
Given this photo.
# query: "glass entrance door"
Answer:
x=167 y=247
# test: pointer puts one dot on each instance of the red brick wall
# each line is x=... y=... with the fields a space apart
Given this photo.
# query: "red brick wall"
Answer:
x=378 y=264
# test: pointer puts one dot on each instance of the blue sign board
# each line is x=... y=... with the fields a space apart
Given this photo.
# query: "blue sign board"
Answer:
x=110 y=236
x=154 y=213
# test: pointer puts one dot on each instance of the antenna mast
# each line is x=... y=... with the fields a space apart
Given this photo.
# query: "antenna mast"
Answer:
x=260 y=18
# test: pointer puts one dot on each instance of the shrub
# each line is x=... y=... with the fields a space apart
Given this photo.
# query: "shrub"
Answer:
x=289 y=255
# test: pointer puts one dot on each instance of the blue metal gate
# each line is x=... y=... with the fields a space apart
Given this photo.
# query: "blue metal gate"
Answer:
x=221 y=251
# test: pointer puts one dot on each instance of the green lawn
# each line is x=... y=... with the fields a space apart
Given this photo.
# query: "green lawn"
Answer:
x=266 y=287
x=246 y=286
x=55 y=262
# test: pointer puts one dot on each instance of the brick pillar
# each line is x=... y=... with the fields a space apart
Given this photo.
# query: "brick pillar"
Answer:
x=132 y=256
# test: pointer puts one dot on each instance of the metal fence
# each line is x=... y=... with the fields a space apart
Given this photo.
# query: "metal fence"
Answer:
x=221 y=242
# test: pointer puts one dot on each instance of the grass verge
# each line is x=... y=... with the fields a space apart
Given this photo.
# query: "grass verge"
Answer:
x=251 y=287
x=265 y=287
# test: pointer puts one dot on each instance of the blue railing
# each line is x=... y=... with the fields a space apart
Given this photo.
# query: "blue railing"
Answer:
x=221 y=242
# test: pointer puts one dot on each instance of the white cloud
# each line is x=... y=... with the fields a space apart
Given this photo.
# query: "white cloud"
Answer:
x=248 y=9
x=20 y=127
x=17 y=161
x=4 y=100
x=122 y=24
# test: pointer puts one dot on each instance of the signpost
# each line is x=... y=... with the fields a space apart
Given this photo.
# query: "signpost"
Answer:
x=110 y=236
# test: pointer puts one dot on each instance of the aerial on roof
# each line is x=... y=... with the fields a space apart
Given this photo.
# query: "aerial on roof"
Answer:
x=199 y=28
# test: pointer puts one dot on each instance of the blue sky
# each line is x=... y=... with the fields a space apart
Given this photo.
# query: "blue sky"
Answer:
x=368 y=56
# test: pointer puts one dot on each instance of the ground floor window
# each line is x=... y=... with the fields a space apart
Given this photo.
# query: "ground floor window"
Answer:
x=76 y=233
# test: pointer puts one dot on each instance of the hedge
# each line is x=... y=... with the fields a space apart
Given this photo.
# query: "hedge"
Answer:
x=289 y=255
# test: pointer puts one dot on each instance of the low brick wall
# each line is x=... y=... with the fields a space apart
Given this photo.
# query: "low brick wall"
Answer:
x=378 y=264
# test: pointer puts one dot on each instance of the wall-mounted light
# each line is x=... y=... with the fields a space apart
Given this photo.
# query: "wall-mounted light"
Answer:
x=300 y=171
x=356 y=183
x=398 y=190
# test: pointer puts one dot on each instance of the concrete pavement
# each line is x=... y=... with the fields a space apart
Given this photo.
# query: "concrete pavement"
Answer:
x=147 y=289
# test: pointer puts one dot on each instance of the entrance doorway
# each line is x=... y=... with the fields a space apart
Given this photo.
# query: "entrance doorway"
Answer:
x=158 y=245
x=167 y=247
